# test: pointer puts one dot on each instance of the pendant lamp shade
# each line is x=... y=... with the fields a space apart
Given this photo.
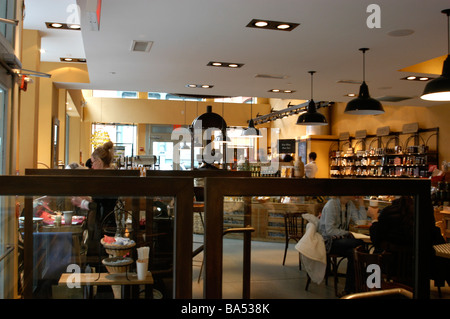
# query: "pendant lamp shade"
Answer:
x=364 y=104
x=311 y=116
x=251 y=130
x=439 y=89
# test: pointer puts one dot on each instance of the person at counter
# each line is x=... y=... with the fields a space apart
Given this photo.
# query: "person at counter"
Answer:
x=337 y=214
x=98 y=208
x=311 y=168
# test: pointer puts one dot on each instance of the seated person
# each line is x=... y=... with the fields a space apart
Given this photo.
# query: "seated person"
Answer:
x=334 y=223
x=393 y=231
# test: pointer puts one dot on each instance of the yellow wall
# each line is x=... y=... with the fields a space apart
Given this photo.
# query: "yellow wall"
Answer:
x=28 y=113
x=116 y=110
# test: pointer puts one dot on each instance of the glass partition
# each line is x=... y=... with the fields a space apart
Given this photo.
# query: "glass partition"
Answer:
x=85 y=236
x=289 y=229
x=80 y=252
x=278 y=269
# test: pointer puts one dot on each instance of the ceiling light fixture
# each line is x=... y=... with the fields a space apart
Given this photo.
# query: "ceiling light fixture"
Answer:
x=201 y=86
x=251 y=130
x=281 y=91
x=79 y=60
x=272 y=25
x=311 y=116
x=439 y=88
x=364 y=104
x=63 y=26
x=225 y=64
x=416 y=78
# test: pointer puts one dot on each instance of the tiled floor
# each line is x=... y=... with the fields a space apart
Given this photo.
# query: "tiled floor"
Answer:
x=269 y=278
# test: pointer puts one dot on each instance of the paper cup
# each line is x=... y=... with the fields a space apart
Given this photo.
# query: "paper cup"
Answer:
x=141 y=268
x=68 y=218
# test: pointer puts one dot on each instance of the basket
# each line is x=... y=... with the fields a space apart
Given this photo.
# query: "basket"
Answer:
x=116 y=265
x=117 y=250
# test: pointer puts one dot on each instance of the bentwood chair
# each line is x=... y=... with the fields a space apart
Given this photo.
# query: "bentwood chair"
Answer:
x=362 y=259
x=294 y=227
x=333 y=263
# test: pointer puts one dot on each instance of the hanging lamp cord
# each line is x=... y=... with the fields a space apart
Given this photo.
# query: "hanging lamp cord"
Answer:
x=364 y=62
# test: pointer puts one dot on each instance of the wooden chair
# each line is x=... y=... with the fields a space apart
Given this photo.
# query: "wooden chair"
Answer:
x=363 y=258
x=294 y=227
x=333 y=263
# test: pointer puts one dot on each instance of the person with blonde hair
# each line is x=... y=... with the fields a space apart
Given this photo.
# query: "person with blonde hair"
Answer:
x=102 y=156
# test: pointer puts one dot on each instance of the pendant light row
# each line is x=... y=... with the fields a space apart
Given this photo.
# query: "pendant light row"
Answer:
x=435 y=90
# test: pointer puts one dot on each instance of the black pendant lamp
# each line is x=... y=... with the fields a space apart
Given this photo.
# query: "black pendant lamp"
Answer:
x=364 y=104
x=439 y=88
x=311 y=116
x=251 y=130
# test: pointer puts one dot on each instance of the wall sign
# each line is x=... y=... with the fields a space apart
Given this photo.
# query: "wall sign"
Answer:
x=286 y=146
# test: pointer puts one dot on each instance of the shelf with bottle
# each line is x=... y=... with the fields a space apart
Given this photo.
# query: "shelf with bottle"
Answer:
x=386 y=164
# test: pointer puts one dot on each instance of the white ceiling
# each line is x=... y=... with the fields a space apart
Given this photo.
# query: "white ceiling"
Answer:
x=187 y=35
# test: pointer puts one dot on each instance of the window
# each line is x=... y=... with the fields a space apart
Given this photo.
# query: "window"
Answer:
x=115 y=94
x=168 y=96
x=122 y=135
x=7 y=11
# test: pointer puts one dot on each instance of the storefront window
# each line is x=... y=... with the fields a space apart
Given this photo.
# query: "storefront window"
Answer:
x=7 y=11
x=122 y=135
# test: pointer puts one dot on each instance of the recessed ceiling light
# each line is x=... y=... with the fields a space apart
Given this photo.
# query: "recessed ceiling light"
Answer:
x=261 y=24
x=202 y=86
x=272 y=25
x=416 y=78
x=350 y=94
x=280 y=91
x=225 y=64
x=67 y=59
x=283 y=26
x=62 y=26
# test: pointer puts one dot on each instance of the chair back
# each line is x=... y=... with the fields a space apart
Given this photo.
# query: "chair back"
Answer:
x=400 y=263
x=294 y=225
x=362 y=259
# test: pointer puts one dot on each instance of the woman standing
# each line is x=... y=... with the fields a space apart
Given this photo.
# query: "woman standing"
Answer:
x=98 y=208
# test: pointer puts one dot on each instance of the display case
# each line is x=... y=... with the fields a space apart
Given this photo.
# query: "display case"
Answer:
x=392 y=154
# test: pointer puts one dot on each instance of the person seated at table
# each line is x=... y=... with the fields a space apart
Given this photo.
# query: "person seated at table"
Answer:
x=337 y=214
x=392 y=231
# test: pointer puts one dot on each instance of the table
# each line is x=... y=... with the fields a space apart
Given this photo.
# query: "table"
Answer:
x=126 y=280
x=442 y=250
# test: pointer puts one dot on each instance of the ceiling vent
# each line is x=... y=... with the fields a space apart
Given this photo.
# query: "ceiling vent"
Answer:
x=391 y=98
x=141 y=46
x=349 y=82
x=269 y=76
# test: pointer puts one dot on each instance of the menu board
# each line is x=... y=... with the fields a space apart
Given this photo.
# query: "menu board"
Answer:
x=286 y=146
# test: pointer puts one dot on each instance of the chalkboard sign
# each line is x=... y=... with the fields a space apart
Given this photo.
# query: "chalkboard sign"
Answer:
x=286 y=146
